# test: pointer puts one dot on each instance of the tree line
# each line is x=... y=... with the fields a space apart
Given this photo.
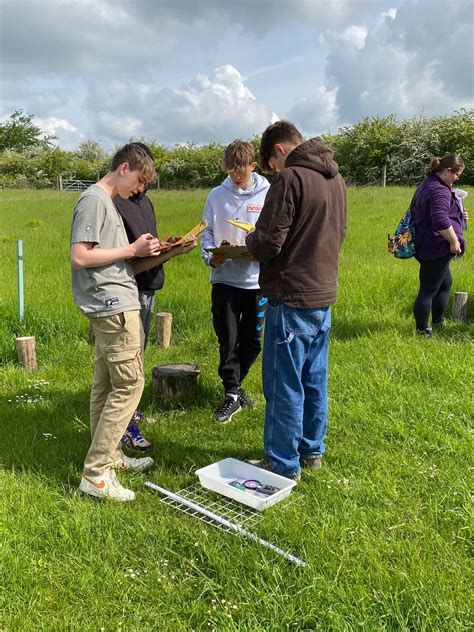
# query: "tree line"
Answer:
x=363 y=151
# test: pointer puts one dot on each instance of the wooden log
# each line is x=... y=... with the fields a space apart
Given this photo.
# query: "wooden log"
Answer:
x=26 y=352
x=163 y=329
x=175 y=381
x=460 y=306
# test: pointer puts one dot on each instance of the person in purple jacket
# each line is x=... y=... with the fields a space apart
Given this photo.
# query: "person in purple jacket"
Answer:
x=439 y=221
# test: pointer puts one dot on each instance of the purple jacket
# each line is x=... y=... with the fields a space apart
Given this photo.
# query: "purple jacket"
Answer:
x=434 y=208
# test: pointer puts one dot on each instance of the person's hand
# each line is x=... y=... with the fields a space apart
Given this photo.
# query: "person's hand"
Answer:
x=465 y=214
x=455 y=247
x=185 y=247
x=217 y=260
x=146 y=246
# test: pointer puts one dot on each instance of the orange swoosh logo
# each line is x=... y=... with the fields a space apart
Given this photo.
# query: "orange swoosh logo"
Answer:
x=100 y=485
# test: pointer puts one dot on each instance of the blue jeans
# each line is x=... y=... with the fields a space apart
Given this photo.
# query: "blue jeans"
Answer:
x=294 y=374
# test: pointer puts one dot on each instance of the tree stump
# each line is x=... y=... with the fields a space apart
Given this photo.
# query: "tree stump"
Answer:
x=460 y=306
x=175 y=381
x=26 y=352
x=163 y=329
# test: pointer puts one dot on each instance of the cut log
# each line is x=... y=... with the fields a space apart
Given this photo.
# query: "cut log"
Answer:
x=26 y=352
x=175 y=381
x=163 y=329
x=460 y=306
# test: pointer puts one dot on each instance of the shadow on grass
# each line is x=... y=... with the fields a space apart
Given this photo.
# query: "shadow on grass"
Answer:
x=48 y=433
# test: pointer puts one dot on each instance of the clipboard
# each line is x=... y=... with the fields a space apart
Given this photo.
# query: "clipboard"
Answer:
x=197 y=230
x=230 y=251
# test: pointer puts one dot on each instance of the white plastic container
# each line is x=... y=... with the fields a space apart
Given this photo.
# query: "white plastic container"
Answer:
x=218 y=477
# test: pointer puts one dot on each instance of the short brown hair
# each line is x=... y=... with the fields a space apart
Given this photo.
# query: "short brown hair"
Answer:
x=238 y=155
x=450 y=161
x=138 y=159
x=279 y=132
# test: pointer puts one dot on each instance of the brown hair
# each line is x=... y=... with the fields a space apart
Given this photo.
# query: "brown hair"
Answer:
x=279 y=132
x=450 y=161
x=238 y=155
x=138 y=159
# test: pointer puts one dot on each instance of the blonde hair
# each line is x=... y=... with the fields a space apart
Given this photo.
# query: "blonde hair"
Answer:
x=239 y=154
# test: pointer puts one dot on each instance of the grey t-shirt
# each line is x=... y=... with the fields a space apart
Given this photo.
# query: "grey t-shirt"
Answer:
x=109 y=289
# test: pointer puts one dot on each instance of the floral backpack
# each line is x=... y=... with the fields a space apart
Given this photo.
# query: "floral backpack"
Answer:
x=402 y=244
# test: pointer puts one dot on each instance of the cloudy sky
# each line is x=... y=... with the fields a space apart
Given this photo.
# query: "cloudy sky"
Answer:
x=214 y=70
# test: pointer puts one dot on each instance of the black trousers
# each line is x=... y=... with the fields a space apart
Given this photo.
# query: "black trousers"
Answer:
x=237 y=316
x=433 y=295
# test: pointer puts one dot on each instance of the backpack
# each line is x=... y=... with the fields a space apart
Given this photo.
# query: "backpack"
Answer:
x=402 y=244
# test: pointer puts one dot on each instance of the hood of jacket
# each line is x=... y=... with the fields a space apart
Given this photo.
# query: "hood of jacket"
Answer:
x=313 y=154
x=259 y=184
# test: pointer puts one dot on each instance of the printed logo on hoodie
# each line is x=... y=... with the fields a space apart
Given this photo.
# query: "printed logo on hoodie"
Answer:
x=254 y=208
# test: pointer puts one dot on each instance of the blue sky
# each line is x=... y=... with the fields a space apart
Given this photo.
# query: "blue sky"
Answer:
x=213 y=70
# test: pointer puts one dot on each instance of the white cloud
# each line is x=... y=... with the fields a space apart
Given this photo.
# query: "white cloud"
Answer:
x=53 y=125
x=211 y=107
x=355 y=36
x=316 y=114
x=403 y=63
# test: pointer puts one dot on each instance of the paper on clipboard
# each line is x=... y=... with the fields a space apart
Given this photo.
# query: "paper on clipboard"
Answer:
x=244 y=225
x=197 y=230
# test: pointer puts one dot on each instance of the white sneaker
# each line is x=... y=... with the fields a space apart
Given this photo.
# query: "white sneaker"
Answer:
x=105 y=486
x=129 y=463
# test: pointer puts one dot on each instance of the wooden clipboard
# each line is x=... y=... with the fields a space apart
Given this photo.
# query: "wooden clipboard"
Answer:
x=197 y=230
x=230 y=251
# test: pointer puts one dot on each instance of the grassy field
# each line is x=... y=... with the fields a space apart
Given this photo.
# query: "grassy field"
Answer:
x=383 y=527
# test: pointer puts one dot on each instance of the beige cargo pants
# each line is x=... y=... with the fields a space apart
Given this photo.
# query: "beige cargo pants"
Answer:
x=117 y=386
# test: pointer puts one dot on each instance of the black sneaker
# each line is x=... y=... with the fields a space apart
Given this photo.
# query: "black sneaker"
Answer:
x=244 y=399
x=227 y=409
x=425 y=333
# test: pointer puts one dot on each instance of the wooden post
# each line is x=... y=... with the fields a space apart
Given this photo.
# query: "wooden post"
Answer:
x=384 y=176
x=26 y=352
x=175 y=381
x=163 y=329
x=460 y=306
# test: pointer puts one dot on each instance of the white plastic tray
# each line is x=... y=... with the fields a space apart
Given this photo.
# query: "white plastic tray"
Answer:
x=218 y=476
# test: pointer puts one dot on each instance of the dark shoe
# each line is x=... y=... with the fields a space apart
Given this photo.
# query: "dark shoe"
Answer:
x=227 y=409
x=133 y=438
x=438 y=326
x=264 y=464
x=244 y=399
x=312 y=462
x=425 y=333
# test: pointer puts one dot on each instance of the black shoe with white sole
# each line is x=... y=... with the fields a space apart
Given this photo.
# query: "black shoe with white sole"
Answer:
x=227 y=409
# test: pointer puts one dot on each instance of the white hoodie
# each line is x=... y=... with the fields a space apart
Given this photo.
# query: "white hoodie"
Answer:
x=229 y=202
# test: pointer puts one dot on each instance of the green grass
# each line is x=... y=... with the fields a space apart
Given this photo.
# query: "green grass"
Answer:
x=383 y=526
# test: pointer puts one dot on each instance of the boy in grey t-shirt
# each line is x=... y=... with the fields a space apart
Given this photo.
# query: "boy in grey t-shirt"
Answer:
x=104 y=289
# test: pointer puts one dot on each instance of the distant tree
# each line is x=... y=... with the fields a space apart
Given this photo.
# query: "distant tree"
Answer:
x=362 y=149
x=19 y=133
x=90 y=161
x=422 y=138
x=91 y=150
x=193 y=166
